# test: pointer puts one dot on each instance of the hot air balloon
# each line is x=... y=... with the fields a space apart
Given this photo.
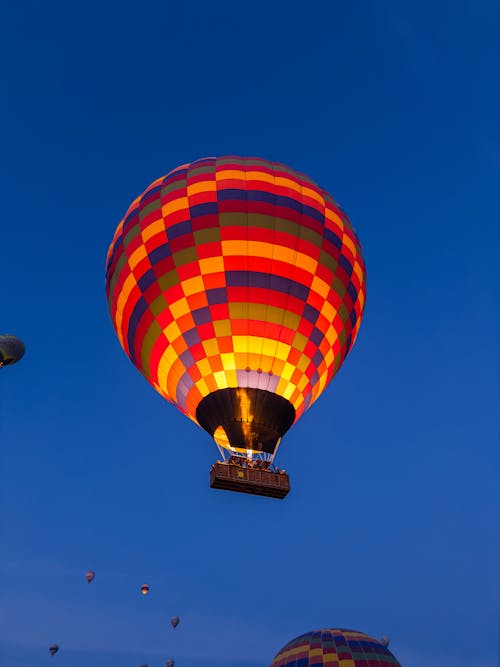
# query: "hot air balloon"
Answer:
x=236 y=286
x=174 y=621
x=170 y=663
x=53 y=649
x=333 y=647
x=89 y=576
x=145 y=589
x=11 y=350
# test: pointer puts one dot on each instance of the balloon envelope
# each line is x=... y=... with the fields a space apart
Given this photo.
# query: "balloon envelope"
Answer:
x=236 y=286
x=89 y=575
x=53 y=649
x=332 y=647
x=145 y=589
x=175 y=621
x=170 y=663
x=11 y=349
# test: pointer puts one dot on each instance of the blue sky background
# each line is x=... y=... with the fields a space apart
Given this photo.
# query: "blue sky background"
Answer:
x=391 y=525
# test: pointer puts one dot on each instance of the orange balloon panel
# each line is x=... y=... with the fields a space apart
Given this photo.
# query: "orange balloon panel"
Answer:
x=236 y=273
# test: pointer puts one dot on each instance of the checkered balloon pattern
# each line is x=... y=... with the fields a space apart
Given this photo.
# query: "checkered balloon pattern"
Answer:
x=236 y=272
x=334 y=648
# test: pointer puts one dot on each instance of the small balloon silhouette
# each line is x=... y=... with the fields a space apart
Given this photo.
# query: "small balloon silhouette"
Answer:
x=11 y=349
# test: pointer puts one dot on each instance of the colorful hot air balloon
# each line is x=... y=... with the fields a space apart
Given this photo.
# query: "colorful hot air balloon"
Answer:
x=334 y=647
x=145 y=589
x=174 y=621
x=237 y=286
x=11 y=350
x=89 y=576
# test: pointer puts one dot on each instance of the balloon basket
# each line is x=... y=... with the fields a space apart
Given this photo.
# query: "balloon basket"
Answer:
x=246 y=479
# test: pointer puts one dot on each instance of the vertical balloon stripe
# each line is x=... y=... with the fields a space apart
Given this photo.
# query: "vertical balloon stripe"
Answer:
x=233 y=272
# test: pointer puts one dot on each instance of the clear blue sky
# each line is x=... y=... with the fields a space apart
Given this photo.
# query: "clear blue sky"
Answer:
x=390 y=528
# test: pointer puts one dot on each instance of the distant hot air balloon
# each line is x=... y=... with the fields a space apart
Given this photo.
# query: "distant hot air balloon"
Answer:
x=170 y=663
x=174 y=621
x=53 y=649
x=89 y=576
x=11 y=350
x=333 y=647
x=145 y=589
x=385 y=641
x=237 y=286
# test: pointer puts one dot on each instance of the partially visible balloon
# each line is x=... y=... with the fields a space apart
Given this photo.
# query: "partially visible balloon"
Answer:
x=385 y=641
x=53 y=649
x=89 y=576
x=175 y=621
x=145 y=589
x=170 y=663
x=332 y=647
x=11 y=349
